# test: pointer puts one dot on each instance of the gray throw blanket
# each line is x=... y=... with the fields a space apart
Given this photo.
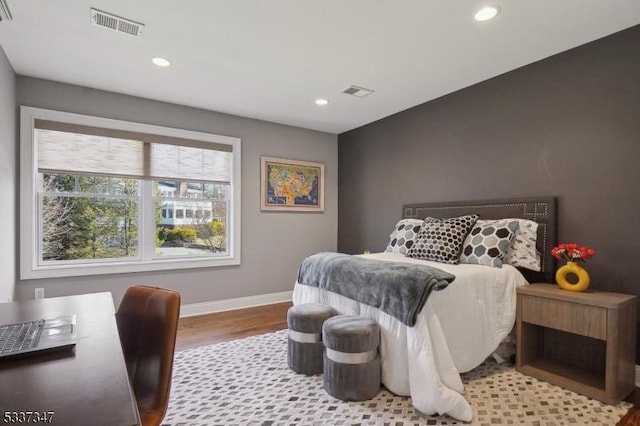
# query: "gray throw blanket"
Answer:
x=396 y=288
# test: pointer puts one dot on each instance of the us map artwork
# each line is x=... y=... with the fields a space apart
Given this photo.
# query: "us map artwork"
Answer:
x=292 y=185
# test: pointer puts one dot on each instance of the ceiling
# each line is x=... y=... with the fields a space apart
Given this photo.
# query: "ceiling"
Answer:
x=271 y=59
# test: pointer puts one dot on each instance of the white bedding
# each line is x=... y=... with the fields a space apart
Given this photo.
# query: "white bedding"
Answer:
x=458 y=328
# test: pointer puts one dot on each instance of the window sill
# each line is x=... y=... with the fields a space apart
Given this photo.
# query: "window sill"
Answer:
x=75 y=270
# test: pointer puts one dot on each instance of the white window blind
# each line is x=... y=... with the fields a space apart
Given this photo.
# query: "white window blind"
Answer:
x=82 y=154
x=80 y=149
x=189 y=163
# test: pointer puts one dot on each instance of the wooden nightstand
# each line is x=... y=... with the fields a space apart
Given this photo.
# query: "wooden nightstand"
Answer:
x=582 y=341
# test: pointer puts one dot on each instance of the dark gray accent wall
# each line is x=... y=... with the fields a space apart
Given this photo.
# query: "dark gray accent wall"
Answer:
x=8 y=178
x=273 y=243
x=567 y=126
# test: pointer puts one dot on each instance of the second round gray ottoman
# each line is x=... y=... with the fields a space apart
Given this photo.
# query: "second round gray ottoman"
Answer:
x=351 y=359
x=305 y=348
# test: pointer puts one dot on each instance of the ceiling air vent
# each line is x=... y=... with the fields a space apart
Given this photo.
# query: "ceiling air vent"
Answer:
x=360 y=92
x=116 y=23
x=5 y=13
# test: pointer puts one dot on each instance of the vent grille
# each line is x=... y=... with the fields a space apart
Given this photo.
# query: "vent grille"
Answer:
x=116 y=23
x=5 y=13
x=360 y=92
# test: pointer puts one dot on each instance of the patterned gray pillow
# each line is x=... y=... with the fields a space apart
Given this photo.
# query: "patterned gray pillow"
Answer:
x=488 y=242
x=440 y=240
x=403 y=235
x=523 y=252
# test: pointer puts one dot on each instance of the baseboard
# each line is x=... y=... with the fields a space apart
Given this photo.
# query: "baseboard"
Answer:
x=637 y=376
x=204 y=308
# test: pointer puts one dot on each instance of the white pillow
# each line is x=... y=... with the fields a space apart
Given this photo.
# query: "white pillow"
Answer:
x=403 y=235
x=523 y=252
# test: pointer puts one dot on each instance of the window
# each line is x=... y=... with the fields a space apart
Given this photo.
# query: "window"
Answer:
x=99 y=196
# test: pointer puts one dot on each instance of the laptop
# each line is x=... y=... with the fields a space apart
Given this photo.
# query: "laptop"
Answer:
x=39 y=336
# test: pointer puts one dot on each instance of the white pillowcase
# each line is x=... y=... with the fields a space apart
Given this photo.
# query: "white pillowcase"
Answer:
x=523 y=252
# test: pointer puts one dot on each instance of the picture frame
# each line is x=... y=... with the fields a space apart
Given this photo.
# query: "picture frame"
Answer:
x=291 y=185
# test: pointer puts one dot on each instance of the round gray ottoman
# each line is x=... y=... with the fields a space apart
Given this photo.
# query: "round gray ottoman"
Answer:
x=305 y=348
x=351 y=359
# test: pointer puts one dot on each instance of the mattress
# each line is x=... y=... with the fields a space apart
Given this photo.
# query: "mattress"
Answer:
x=458 y=328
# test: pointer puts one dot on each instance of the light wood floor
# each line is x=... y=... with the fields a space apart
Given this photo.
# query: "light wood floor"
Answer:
x=222 y=326
x=219 y=327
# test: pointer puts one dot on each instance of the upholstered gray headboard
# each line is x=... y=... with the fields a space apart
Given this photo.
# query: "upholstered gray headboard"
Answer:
x=539 y=209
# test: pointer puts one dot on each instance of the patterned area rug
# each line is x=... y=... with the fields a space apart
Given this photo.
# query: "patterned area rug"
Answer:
x=247 y=382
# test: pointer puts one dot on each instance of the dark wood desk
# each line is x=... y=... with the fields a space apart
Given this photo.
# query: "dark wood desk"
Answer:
x=86 y=386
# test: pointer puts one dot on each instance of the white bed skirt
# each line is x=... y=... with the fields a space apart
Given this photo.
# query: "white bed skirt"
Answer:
x=456 y=331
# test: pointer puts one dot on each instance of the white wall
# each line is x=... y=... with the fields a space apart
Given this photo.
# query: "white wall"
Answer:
x=273 y=243
x=8 y=179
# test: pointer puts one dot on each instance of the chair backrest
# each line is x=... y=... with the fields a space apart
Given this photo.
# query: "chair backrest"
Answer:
x=147 y=321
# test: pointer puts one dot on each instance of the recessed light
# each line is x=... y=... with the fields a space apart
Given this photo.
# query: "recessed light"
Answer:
x=321 y=102
x=487 y=13
x=161 y=62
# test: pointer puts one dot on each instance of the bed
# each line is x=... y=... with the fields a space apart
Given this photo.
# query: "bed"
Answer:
x=459 y=326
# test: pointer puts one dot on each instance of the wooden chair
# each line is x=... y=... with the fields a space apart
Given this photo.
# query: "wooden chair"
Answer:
x=147 y=321
x=632 y=418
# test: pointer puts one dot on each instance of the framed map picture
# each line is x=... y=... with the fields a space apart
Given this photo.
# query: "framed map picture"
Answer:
x=290 y=185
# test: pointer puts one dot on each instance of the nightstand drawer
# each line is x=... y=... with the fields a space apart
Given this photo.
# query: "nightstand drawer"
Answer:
x=575 y=318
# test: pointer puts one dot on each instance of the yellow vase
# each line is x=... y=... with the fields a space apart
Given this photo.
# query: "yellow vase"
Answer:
x=575 y=269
